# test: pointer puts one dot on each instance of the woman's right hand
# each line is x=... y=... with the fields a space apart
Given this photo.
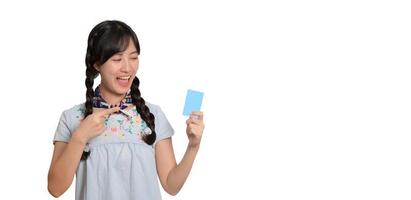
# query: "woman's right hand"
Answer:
x=93 y=124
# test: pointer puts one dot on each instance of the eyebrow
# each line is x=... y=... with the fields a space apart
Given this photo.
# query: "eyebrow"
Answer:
x=121 y=53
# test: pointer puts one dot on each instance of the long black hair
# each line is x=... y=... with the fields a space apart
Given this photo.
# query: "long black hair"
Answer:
x=106 y=39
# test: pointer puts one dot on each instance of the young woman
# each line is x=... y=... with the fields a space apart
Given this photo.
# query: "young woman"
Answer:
x=116 y=143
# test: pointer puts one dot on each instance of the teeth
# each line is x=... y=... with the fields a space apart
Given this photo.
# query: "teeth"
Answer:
x=124 y=77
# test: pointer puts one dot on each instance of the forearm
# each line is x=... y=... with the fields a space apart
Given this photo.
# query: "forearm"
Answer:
x=178 y=175
x=62 y=172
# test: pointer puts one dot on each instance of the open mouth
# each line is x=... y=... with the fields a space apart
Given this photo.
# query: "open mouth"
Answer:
x=123 y=80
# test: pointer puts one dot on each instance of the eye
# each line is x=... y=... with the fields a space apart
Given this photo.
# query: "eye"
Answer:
x=116 y=59
x=134 y=58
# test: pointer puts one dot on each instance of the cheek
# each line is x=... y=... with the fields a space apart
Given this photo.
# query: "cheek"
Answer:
x=135 y=68
x=136 y=64
x=107 y=75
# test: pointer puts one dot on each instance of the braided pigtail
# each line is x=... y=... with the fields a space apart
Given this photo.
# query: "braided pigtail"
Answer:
x=89 y=93
x=91 y=74
x=144 y=111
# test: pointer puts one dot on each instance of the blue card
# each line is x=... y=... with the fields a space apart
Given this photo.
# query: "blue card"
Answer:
x=193 y=102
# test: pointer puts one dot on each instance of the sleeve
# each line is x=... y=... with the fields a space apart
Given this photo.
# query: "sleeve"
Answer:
x=63 y=132
x=162 y=125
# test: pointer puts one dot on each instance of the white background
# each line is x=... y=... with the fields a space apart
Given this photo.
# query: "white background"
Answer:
x=303 y=99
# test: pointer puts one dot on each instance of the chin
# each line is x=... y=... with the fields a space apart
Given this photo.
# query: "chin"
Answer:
x=121 y=90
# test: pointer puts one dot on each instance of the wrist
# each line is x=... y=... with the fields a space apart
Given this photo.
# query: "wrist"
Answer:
x=78 y=138
x=192 y=147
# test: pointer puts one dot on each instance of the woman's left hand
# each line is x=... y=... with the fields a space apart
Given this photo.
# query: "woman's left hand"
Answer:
x=195 y=127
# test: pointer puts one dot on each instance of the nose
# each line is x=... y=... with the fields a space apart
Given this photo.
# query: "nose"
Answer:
x=125 y=66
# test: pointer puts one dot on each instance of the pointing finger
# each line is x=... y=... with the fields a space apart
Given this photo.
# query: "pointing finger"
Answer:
x=109 y=111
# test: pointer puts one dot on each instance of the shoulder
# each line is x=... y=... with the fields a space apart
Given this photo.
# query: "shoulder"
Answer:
x=155 y=109
x=75 y=112
x=152 y=107
x=71 y=116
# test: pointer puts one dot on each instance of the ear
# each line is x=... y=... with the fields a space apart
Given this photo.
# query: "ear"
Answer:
x=96 y=67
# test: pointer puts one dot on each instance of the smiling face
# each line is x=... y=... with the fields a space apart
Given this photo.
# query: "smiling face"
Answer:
x=118 y=73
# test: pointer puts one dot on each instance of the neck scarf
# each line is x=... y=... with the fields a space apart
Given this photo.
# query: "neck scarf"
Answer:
x=99 y=102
